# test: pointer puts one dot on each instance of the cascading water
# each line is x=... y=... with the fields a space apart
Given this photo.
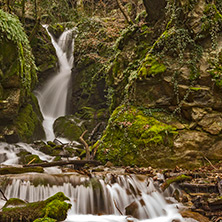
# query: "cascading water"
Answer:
x=110 y=197
x=53 y=96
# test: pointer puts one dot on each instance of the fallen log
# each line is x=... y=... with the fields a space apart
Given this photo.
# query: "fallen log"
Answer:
x=19 y=170
x=65 y=162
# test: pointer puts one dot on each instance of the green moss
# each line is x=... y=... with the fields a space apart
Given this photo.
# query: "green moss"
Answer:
x=151 y=67
x=45 y=219
x=26 y=123
x=14 y=202
x=57 y=209
x=130 y=134
x=26 y=159
x=68 y=127
x=195 y=88
x=16 y=170
x=178 y=179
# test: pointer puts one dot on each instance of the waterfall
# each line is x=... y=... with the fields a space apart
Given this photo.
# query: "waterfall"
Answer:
x=90 y=197
x=53 y=96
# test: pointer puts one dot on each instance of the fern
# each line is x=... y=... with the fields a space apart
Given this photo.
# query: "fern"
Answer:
x=12 y=30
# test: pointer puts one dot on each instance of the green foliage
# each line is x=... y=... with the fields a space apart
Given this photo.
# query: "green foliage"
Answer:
x=11 y=30
x=212 y=21
x=216 y=70
x=129 y=134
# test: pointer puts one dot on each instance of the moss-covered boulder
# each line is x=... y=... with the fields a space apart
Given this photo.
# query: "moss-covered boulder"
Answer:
x=54 y=207
x=68 y=127
x=134 y=138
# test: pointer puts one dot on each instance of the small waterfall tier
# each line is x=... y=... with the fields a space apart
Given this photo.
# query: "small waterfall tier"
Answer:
x=53 y=96
x=101 y=198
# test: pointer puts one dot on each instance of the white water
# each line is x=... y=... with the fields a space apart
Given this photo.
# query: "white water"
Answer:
x=9 y=153
x=53 y=96
x=91 y=198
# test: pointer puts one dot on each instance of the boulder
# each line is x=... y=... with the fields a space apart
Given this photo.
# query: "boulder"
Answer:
x=69 y=127
x=54 y=207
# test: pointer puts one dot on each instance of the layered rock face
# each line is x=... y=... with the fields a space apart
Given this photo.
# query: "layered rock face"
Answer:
x=178 y=75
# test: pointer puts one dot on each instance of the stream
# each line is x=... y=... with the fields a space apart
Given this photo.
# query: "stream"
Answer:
x=107 y=196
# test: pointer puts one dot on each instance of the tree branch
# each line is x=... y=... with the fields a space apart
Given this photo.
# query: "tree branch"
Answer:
x=85 y=145
x=123 y=11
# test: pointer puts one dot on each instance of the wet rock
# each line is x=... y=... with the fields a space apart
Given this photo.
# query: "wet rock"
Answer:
x=133 y=209
x=196 y=216
x=11 y=136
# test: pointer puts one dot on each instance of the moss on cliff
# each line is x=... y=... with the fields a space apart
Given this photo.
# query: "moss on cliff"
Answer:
x=151 y=67
x=130 y=134
x=27 y=123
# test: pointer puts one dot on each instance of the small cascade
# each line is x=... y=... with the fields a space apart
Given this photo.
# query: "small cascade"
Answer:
x=53 y=96
x=111 y=195
x=9 y=153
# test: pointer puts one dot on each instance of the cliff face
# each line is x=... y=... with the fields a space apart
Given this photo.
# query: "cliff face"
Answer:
x=172 y=72
x=17 y=79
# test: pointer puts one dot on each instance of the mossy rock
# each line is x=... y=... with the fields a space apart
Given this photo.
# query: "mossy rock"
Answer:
x=27 y=124
x=53 y=206
x=68 y=127
x=45 y=219
x=14 y=202
x=26 y=158
x=134 y=138
x=57 y=209
x=151 y=67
